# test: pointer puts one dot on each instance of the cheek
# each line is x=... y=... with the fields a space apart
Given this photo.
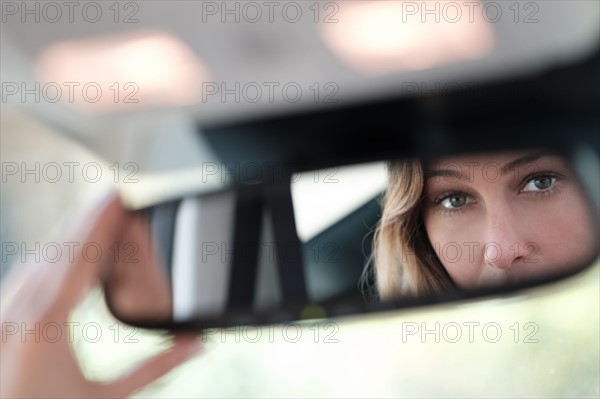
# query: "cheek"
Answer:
x=567 y=234
x=452 y=239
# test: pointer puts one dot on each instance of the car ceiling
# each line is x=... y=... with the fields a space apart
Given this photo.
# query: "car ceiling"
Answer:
x=267 y=52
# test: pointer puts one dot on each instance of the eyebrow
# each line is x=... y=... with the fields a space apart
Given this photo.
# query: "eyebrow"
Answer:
x=527 y=159
x=507 y=168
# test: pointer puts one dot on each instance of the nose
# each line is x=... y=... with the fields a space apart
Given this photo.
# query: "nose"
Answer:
x=506 y=244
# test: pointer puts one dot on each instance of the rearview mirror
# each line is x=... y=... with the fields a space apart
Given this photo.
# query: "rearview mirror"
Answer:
x=335 y=241
x=421 y=201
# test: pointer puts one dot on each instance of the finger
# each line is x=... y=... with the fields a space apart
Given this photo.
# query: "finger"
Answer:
x=97 y=251
x=60 y=286
x=184 y=347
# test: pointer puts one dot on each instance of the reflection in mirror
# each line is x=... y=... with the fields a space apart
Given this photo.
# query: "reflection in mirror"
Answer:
x=361 y=233
x=138 y=284
x=473 y=222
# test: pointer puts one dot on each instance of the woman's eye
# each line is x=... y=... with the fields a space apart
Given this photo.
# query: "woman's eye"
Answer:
x=455 y=201
x=540 y=183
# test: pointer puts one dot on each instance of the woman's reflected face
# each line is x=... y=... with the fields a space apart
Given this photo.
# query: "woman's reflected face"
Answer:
x=506 y=218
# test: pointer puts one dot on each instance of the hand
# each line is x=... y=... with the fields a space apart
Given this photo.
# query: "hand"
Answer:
x=47 y=293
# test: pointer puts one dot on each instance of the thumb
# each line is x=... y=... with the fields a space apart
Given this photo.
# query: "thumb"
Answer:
x=184 y=347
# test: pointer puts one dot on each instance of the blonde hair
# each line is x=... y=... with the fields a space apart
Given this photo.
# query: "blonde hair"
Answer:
x=403 y=261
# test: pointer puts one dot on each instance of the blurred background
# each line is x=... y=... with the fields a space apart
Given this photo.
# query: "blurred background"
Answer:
x=119 y=90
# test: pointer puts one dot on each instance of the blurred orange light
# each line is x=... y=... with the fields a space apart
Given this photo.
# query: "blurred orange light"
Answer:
x=122 y=72
x=376 y=37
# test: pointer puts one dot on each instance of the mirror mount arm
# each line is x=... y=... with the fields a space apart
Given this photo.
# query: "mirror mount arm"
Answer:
x=288 y=244
x=249 y=208
x=250 y=205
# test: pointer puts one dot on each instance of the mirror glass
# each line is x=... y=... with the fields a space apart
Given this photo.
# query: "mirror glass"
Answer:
x=327 y=242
